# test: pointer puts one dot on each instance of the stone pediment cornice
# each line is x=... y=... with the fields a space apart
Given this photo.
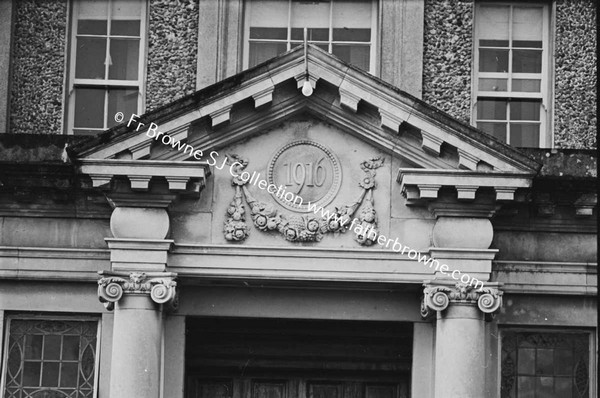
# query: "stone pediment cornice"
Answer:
x=394 y=107
x=181 y=177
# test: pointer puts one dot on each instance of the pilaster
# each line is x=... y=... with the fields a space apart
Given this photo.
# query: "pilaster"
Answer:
x=402 y=44
x=6 y=32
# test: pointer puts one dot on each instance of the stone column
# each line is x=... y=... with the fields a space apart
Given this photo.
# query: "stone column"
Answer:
x=138 y=299
x=460 y=310
x=139 y=290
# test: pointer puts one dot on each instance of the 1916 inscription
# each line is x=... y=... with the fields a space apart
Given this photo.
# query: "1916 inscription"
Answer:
x=307 y=169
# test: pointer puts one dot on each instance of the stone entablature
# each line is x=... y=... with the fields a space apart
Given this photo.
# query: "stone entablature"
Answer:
x=423 y=184
x=140 y=172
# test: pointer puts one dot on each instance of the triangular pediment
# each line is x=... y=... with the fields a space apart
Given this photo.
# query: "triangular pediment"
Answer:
x=253 y=101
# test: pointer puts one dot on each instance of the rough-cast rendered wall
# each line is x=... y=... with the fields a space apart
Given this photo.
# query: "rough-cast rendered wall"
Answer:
x=575 y=74
x=38 y=66
x=172 y=51
x=447 y=56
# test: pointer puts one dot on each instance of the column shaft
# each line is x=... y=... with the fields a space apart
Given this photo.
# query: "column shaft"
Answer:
x=459 y=354
x=461 y=311
x=136 y=352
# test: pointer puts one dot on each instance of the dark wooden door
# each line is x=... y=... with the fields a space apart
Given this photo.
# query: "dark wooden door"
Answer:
x=294 y=388
x=274 y=358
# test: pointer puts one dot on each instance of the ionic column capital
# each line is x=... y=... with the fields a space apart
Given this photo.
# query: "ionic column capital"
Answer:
x=438 y=296
x=159 y=286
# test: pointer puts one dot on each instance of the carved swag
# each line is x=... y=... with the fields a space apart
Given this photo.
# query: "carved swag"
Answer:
x=306 y=228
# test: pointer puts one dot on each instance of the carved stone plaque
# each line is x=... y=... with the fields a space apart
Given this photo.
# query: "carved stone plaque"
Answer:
x=308 y=170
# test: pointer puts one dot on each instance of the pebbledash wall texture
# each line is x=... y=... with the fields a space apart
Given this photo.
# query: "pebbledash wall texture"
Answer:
x=172 y=51
x=38 y=66
x=447 y=53
x=447 y=65
x=39 y=49
x=575 y=74
x=39 y=60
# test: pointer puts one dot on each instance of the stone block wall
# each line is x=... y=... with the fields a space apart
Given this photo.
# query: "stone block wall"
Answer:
x=447 y=55
x=172 y=51
x=38 y=66
x=575 y=74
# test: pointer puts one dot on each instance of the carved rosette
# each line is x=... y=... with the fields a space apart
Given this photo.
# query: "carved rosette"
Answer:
x=438 y=298
x=160 y=286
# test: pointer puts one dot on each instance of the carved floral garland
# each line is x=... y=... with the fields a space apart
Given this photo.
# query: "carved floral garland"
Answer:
x=297 y=228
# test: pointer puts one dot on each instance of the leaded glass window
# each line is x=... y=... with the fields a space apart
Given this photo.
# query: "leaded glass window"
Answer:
x=545 y=365
x=50 y=359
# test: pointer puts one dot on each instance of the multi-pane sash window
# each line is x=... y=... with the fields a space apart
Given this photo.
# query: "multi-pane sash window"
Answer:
x=107 y=62
x=545 y=365
x=512 y=72
x=343 y=28
x=50 y=358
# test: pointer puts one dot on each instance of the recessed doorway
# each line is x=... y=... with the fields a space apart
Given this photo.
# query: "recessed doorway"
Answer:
x=280 y=358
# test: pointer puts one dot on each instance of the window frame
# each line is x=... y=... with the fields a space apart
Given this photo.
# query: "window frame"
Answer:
x=74 y=83
x=373 y=61
x=592 y=366
x=46 y=317
x=546 y=76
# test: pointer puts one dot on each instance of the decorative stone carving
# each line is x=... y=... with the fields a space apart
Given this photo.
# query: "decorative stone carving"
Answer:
x=368 y=216
x=307 y=169
x=160 y=286
x=300 y=228
x=235 y=226
x=436 y=298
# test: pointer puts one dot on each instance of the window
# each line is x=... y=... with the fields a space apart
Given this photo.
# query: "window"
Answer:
x=343 y=28
x=107 y=63
x=511 y=78
x=545 y=365
x=50 y=358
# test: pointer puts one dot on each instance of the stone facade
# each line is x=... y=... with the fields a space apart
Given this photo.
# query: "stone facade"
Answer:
x=575 y=74
x=184 y=254
x=172 y=51
x=38 y=67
